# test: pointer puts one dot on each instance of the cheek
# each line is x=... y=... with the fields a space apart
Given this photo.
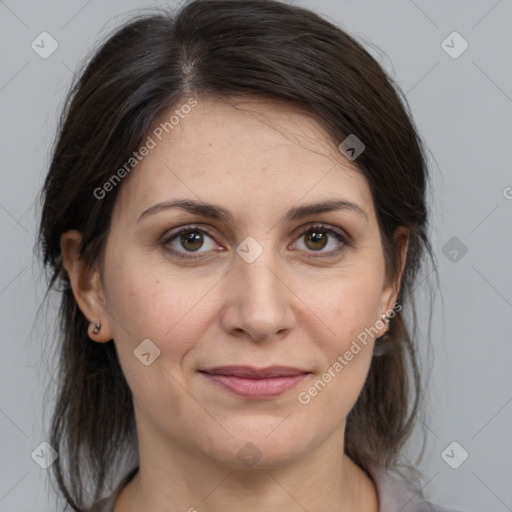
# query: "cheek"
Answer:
x=357 y=310
x=348 y=304
x=346 y=355
x=143 y=307
x=148 y=302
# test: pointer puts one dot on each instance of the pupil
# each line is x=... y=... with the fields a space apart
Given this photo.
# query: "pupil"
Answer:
x=318 y=237
x=194 y=238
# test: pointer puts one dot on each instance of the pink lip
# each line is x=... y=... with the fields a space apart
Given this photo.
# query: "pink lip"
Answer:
x=256 y=382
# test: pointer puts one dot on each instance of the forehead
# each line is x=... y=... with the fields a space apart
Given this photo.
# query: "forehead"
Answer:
x=252 y=155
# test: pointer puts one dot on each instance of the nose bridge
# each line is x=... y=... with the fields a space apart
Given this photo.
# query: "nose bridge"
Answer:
x=255 y=256
x=258 y=301
x=259 y=280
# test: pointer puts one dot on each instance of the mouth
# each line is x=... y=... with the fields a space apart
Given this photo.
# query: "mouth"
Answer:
x=256 y=383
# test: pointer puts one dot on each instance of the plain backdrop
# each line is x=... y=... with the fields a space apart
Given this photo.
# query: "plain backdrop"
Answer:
x=462 y=104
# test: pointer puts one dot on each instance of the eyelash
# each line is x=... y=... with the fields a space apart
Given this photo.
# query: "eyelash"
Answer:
x=344 y=239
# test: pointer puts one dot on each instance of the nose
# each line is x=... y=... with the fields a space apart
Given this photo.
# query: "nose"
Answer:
x=259 y=303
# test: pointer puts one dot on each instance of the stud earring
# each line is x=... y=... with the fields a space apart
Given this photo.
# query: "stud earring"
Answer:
x=97 y=328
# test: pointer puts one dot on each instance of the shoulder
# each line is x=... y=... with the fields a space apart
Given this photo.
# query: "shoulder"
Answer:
x=394 y=495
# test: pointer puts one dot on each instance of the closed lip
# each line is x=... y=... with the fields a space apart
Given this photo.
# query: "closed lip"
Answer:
x=252 y=372
x=255 y=383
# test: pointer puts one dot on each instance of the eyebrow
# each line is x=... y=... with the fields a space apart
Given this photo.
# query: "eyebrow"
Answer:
x=220 y=213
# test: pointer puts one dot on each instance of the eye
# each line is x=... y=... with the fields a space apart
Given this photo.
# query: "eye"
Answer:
x=189 y=240
x=318 y=237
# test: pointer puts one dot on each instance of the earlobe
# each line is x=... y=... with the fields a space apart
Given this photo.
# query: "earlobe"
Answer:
x=86 y=285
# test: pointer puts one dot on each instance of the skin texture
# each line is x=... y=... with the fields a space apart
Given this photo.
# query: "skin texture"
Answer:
x=257 y=158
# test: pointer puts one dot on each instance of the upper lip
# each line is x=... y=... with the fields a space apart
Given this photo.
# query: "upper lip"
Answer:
x=252 y=372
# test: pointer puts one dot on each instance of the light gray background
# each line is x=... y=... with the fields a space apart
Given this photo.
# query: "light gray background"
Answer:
x=463 y=110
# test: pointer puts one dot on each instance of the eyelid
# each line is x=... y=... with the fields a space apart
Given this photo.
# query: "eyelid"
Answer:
x=324 y=226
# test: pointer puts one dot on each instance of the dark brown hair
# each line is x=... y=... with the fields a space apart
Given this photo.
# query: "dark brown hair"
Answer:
x=223 y=49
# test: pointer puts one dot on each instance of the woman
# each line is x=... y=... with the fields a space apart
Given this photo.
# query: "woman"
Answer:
x=235 y=210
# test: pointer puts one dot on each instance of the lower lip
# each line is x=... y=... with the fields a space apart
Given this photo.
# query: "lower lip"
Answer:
x=256 y=388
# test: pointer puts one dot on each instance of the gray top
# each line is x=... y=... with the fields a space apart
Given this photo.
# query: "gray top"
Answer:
x=393 y=495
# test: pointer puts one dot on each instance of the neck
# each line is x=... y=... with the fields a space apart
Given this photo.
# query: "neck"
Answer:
x=172 y=477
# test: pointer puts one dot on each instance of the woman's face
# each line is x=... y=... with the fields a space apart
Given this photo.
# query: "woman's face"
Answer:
x=256 y=289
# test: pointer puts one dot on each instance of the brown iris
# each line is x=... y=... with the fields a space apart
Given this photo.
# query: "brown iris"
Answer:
x=192 y=240
x=317 y=238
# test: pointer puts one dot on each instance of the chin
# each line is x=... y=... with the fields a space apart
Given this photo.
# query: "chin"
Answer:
x=258 y=444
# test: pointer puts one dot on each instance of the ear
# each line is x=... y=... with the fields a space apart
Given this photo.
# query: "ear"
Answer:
x=391 y=289
x=86 y=285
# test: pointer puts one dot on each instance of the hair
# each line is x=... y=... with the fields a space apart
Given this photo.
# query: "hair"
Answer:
x=222 y=49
